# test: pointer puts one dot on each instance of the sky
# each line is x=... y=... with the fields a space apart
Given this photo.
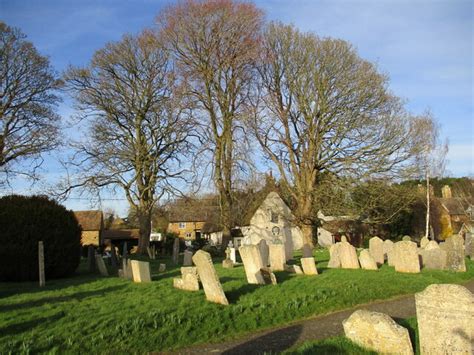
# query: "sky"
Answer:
x=425 y=46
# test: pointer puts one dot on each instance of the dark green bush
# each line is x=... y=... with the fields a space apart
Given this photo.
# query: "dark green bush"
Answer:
x=25 y=220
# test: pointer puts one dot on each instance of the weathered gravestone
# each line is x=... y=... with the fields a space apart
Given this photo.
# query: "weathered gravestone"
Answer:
x=387 y=249
x=406 y=257
x=309 y=266
x=344 y=239
x=294 y=269
x=334 y=259
x=253 y=263
x=233 y=255
x=434 y=258
x=42 y=279
x=348 y=256
x=469 y=245
x=188 y=258
x=162 y=268
x=423 y=242
x=307 y=251
x=445 y=315
x=113 y=257
x=277 y=257
x=366 y=260
x=406 y=238
x=454 y=247
x=378 y=332
x=99 y=261
x=264 y=251
x=209 y=278
x=141 y=271
x=432 y=245
x=227 y=263
x=376 y=250
x=175 y=256
x=189 y=280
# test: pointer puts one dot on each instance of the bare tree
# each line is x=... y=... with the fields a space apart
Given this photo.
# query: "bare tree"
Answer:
x=139 y=127
x=28 y=123
x=323 y=109
x=215 y=45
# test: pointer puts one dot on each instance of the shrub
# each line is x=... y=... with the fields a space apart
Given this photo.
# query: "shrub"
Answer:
x=26 y=220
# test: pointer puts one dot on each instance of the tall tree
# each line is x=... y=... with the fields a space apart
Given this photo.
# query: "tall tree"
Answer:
x=139 y=127
x=324 y=110
x=28 y=97
x=215 y=45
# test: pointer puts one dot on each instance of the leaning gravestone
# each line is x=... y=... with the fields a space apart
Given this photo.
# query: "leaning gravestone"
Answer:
x=277 y=257
x=334 y=259
x=141 y=271
x=454 y=247
x=99 y=261
x=423 y=242
x=445 y=315
x=406 y=257
x=307 y=251
x=188 y=261
x=376 y=250
x=176 y=251
x=378 y=332
x=189 y=280
x=309 y=266
x=264 y=251
x=209 y=278
x=348 y=256
x=366 y=260
x=253 y=263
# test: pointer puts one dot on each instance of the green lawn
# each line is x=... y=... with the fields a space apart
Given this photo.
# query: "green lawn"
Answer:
x=89 y=313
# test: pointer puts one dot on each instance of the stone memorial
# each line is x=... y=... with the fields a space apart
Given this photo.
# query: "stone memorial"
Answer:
x=309 y=266
x=334 y=259
x=209 y=278
x=189 y=280
x=423 y=242
x=99 y=261
x=42 y=279
x=377 y=332
x=348 y=256
x=387 y=248
x=434 y=259
x=432 y=245
x=406 y=257
x=162 y=268
x=188 y=258
x=252 y=260
x=264 y=251
x=376 y=250
x=344 y=239
x=454 y=247
x=141 y=271
x=366 y=260
x=227 y=263
x=277 y=257
x=469 y=245
x=233 y=255
x=445 y=315
x=406 y=238
x=175 y=256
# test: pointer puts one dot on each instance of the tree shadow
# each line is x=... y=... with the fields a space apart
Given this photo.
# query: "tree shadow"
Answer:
x=276 y=341
x=28 y=325
x=228 y=278
x=234 y=295
x=74 y=296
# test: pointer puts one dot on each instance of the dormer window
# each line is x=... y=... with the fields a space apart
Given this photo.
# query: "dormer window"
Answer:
x=182 y=225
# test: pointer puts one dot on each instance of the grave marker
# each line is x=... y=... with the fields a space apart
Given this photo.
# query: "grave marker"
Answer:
x=42 y=279
x=209 y=278
x=141 y=271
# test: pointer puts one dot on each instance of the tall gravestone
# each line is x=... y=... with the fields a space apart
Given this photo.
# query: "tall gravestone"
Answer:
x=253 y=263
x=141 y=271
x=348 y=256
x=176 y=251
x=99 y=261
x=376 y=250
x=277 y=257
x=454 y=247
x=445 y=315
x=188 y=255
x=334 y=259
x=209 y=278
x=406 y=257
x=42 y=279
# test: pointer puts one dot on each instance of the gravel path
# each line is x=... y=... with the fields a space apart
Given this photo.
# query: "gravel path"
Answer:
x=317 y=328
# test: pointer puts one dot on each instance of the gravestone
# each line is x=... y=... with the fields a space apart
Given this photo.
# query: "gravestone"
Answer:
x=454 y=247
x=344 y=239
x=309 y=266
x=188 y=258
x=277 y=257
x=99 y=261
x=423 y=242
x=209 y=278
x=432 y=245
x=377 y=332
x=141 y=271
x=42 y=279
x=348 y=256
x=307 y=251
x=227 y=263
x=268 y=276
x=253 y=263
x=469 y=245
x=406 y=257
x=162 y=268
x=91 y=258
x=445 y=315
x=434 y=259
x=264 y=251
x=175 y=256
x=406 y=238
x=334 y=259
x=123 y=270
x=129 y=271
x=376 y=250
x=233 y=255
x=189 y=280
x=294 y=269
x=387 y=249
x=366 y=260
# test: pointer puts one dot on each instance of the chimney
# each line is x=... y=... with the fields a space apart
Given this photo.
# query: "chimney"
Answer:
x=446 y=192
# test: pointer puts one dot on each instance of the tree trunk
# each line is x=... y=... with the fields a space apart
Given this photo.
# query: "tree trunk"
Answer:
x=144 y=236
x=307 y=230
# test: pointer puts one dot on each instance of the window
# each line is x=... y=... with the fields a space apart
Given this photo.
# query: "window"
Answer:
x=182 y=225
x=188 y=235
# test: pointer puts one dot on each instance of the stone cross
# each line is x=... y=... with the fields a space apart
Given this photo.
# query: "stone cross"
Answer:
x=209 y=278
x=189 y=280
x=42 y=280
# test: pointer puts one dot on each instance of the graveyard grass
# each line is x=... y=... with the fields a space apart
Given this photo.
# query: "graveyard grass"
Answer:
x=90 y=313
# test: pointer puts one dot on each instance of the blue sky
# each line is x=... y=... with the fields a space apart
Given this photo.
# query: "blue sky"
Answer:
x=425 y=46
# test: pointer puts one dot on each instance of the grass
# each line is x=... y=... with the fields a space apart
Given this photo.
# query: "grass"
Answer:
x=89 y=313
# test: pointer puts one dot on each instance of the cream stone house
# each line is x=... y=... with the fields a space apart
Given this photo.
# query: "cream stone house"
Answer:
x=92 y=225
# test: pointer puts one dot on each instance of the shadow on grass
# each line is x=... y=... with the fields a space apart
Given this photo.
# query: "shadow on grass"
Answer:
x=28 y=325
x=275 y=341
x=234 y=295
x=75 y=296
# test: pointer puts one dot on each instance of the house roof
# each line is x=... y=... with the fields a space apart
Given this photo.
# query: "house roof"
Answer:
x=121 y=234
x=89 y=220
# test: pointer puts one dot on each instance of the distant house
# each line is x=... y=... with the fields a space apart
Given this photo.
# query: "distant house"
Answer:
x=186 y=226
x=92 y=224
